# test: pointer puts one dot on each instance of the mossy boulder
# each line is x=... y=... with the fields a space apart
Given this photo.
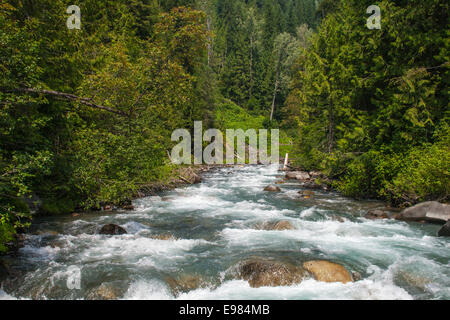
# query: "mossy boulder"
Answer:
x=266 y=273
x=112 y=230
x=272 y=188
x=326 y=271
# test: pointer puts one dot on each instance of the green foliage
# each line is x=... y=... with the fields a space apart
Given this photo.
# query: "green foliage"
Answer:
x=368 y=105
x=424 y=176
x=255 y=47
x=138 y=73
x=230 y=116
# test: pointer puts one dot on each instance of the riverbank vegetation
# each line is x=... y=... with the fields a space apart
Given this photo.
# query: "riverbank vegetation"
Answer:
x=372 y=105
x=87 y=115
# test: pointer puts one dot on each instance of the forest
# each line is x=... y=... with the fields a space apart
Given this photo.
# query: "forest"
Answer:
x=87 y=115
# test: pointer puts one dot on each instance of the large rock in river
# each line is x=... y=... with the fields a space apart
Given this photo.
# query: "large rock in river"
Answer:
x=272 y=189
x=266 y=273
x=104 y=292
x=277 y=226
x=445 y=230
x=376 y=215
x=112 y=230
x=298 y=175
x=164 y=237
x=185 y=283
x=326 y=271
x=431 y=211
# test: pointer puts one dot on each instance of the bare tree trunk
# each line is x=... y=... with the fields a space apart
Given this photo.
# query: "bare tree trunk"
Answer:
x=208 y=26
x=274 y=98
x=69 y=96
x=286 y=161
x=330 y=129
x=251 y=67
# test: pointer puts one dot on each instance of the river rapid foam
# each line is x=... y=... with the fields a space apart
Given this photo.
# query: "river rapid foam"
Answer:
x=213 y=225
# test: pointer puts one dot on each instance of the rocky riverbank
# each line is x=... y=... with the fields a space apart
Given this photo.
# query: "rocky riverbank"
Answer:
x=426 y=212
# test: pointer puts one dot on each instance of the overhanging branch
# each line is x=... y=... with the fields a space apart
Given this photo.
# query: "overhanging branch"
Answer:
x=67 y=96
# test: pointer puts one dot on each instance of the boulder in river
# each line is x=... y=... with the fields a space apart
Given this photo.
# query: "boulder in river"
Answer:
x=266 y=273
x=112 y=230
x=272 y=188
x=104 y=292
x=197 y=179
x=47 y=233
x=185 y=283
x=376 y=214
x=164 y=237
x=445 y=230
x=431 y=211
x=307 y=193
x=326 y=271
x=337 y=218
x=298 y=175
x=277 y=226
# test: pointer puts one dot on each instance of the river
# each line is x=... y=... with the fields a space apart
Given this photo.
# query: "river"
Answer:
x=214 y=226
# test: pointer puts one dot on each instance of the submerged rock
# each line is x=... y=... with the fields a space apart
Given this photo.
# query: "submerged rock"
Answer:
x=47 y=233
x=337 y=218
x=326 y=271
x=376 y=214
x=357 y=276
x=415 y=280
x=431 y=211
x=272 y=189
x=307 y=193
x=165 y=237
x=105 y=291
x=185 y=283
x=265 y=273
x=445 y=230
x=112 y=230
x=277 y=226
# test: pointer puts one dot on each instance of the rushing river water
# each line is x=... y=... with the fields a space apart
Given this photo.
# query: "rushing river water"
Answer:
x=214 y=222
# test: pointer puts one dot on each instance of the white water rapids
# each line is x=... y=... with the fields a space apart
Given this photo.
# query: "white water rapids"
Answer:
x=214 y=224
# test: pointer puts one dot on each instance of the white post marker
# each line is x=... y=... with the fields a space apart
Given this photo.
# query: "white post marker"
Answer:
x=286 y=161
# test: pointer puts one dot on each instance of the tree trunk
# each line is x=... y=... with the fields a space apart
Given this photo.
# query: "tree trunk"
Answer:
x=330 y=129
x=208 y=26
x=251 y=67
x=274 y=98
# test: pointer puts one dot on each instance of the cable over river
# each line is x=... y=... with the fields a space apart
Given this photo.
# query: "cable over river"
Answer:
x=188 y=243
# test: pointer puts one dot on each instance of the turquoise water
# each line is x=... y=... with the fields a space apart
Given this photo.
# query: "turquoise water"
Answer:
x=214 y=223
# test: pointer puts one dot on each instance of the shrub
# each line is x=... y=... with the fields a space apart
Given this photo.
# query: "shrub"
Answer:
x=425 y=176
